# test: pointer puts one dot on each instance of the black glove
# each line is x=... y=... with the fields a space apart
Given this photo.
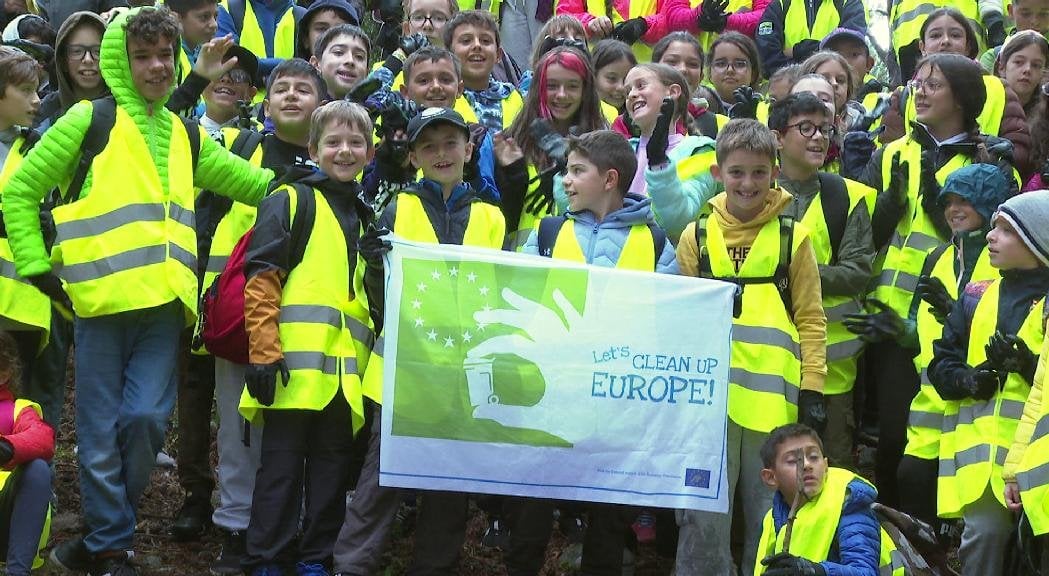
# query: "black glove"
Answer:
x=812 y=410
x=980 y=382
x=872 y=86
x=1008 y=353
x=658 y=142
x=995 y=24
x=7 y=451
x=373 y=246
x=261 y=380
x=930 y=188
x=553 y=145
x=784 y=564
x=899 y=181
x=412 y=42
x=885 y=324
x=630 y=31
x=934 y=293
x=746 y=103
x=856 y=151
x=804 y=49
x=51 y=286
x=712 y=15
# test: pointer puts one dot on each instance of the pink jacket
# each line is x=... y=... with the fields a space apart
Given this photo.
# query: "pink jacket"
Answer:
x=670 y=16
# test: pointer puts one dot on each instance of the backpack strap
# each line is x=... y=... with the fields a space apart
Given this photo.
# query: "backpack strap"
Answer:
x=549 y=228
x=701 y=247
x=29 y=139
x=103 y=118
x=834 y=196
x=302 y=223
x=780 y=277
x=659 y=242
x=193 y=133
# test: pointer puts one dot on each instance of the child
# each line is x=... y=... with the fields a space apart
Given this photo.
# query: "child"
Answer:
x=221 y=97
x=1021 y=64
x=795 y=467
x=473 y=36
x=676 y=165
x=819 y=87
x=564 y=97
x=838 y=211
x=745 y=240
x=1027 y=15
x=198 y=20
x=295 y=92
x=734 y=66
x=27 y=444
x=852 y=46
x=681 y=51
x=312 y=417
x=267 y=29
x=341 y=56
x=133 y=282
x=969 y=199
x=782 y=80
x=320 y=17
x=785 y=35
x=612 y=60
x=559 y=30
x=428 y=17
x=76 y=67
x=439 y=146
x=983 y=367
x=837 y=71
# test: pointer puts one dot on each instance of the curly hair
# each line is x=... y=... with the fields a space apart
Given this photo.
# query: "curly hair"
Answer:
x=152 y=25
x=10 y=363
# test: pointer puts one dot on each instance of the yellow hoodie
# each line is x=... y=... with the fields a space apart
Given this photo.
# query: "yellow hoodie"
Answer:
x=804 y=278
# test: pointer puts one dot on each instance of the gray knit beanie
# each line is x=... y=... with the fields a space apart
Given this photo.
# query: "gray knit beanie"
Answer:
x=1028 y=213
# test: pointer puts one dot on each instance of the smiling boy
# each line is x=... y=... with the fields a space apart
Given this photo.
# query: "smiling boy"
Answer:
x=473 y=36
x=341 y=56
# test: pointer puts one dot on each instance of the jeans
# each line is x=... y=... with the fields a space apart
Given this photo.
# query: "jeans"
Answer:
x=126 y=381
x=23 y=510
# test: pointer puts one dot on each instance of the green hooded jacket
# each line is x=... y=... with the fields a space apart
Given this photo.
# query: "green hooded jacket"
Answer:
x=53 y=160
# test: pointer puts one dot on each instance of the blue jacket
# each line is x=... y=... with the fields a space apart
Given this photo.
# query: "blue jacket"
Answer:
x=602 y=242
x=268 y=13
x=858 y=542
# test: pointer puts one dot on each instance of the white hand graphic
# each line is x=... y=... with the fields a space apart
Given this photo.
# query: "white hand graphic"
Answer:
x=559 y=411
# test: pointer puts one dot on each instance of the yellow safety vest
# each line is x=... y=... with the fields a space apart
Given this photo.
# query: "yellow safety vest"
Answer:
x=486 y=229
x=252 y=39
x=816 y=526
x=795 y=22
x=21 y=304
x=127 y=243
x=325 y=331
x=908 y=16
x=925 y=421
x=982 y=431
x=1032 y=474
x=512 y=106
x=639 y=251
x=183 y=66
x=843 y=347
x=990 y=119
x=765 y=373
x=20 y=405
x=492 y=6
x=915 y=236
x=609 y=112
x=638 y=8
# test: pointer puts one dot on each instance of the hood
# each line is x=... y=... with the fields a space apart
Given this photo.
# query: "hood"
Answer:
x=982 y=185
x=775 y=202
x=65 y=84
x=11 y=30
x=116 y=70
x=348 y=12
x=636 y=210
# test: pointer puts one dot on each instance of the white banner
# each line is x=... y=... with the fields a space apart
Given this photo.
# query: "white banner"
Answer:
x=521 y=375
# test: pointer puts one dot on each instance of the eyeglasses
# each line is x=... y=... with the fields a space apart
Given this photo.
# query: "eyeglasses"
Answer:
x=76 y=52
x=737 y=65
x=236 y=76
x=930 y=86
x=436 y=20
x=807 y=129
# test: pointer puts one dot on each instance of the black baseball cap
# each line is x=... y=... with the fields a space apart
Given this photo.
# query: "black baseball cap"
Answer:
x=246 y=61
x=435 y=115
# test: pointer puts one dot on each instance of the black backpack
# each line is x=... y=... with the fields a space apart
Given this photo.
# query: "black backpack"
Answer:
x=550 y=227
x=834 y=197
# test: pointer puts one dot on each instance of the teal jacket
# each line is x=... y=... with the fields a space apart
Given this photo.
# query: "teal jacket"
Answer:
x=54 y=159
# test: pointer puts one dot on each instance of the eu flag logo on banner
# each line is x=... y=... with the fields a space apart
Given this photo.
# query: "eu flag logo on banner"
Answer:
x=697 y=477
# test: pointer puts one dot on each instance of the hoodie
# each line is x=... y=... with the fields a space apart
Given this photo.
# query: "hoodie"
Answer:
x=803 y=276
x=346 y=10
x=602 y=241
x=58 y=102
x=55 y=157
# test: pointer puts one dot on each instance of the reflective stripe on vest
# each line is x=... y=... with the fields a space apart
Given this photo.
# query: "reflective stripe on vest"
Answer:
x=486 y=229
x=638 y=8
x=252 y=39
x=843 y=347
x=1032 y=474
x=21 y=304
x=796 y=27
x=925 y=426
x=19 y=406
x=915 y=236
x=984 y=430
x=325 y=329
x=636 y=254
x=765 y=373
x=816 y=527
x=135 y=249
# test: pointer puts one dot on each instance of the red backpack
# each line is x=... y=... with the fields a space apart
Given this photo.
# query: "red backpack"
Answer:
x=222 y=306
